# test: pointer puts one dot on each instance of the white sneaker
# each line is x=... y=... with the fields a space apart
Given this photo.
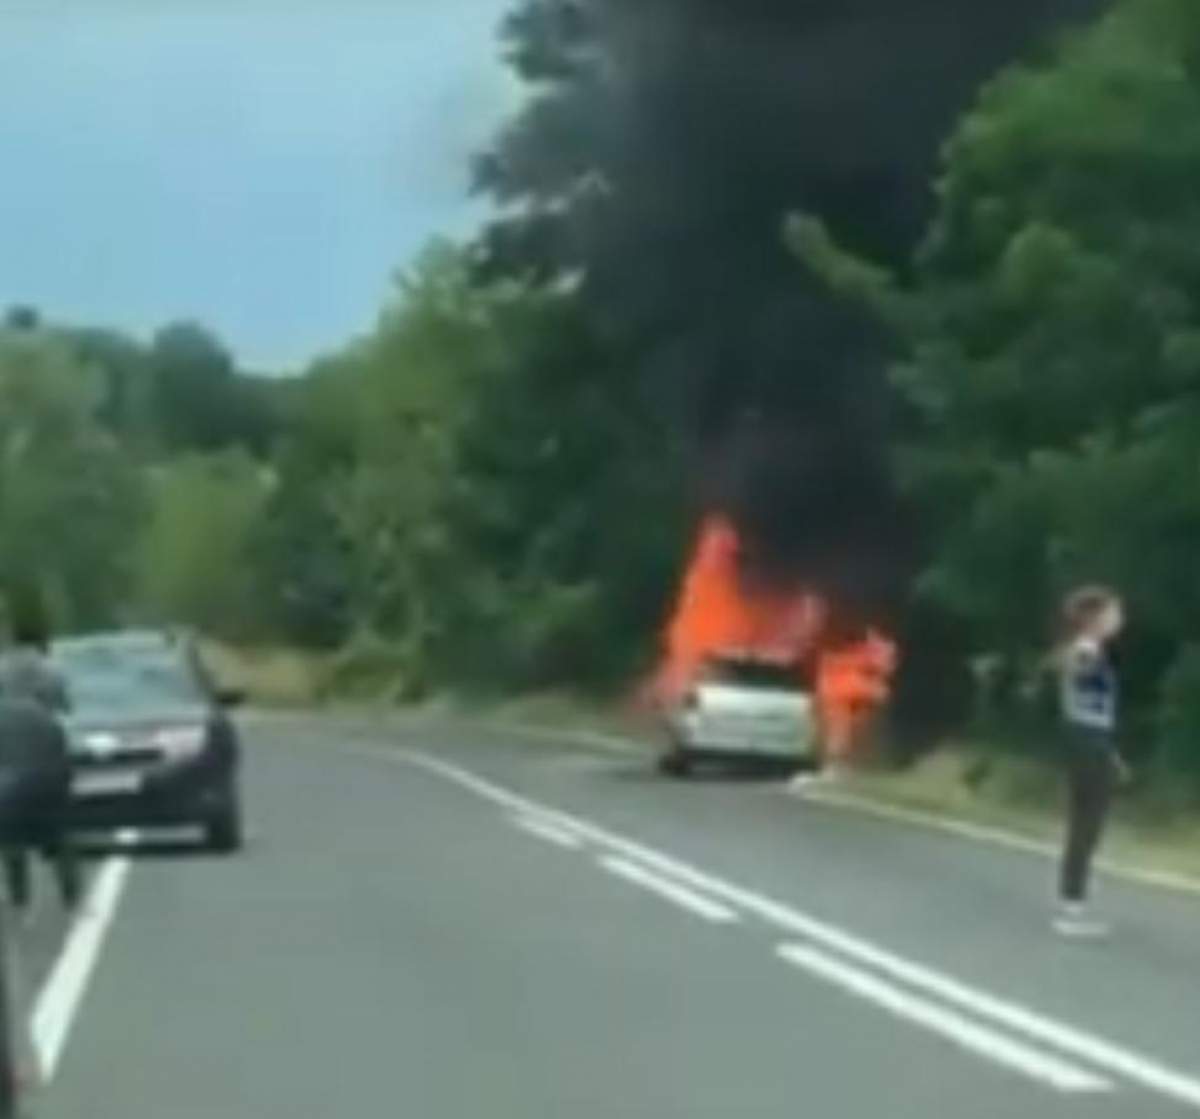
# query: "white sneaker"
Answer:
x=1075 y=923
x=812 y=779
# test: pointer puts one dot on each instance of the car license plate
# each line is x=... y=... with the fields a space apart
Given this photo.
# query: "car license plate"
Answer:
x=116 y=783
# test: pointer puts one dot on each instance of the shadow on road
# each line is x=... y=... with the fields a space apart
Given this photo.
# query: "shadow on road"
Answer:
x=701 y=774
x=101 y=848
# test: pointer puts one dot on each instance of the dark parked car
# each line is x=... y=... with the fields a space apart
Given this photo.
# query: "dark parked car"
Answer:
x=152 y=744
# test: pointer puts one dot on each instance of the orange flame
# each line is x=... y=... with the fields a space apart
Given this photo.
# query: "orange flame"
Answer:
x=852 y=684
x=717 y=613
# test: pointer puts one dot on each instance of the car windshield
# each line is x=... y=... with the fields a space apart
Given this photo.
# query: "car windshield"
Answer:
x=129 y=679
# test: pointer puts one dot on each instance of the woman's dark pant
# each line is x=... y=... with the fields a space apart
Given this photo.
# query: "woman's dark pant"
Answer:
x=1091 y=777
x=34 y=810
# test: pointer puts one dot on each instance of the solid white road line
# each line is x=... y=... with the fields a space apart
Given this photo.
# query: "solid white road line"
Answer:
x=954 y=1027
x=694 y=903
x=1113 y=1058
x=60 y=998
x=548 y=830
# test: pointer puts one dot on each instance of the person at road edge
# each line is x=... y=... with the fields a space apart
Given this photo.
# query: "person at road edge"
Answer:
x=1088 y=695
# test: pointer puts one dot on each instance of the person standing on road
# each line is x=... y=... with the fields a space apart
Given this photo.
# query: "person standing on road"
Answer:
x=1088 y=693
x=25 y=670
x=35 y=771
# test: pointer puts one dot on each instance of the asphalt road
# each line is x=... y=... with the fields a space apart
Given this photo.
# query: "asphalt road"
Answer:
x=462 y=924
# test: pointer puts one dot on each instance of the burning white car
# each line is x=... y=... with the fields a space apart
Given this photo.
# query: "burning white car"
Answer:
x=743 y=710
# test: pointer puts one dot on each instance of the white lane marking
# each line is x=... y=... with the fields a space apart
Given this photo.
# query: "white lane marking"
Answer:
x=61 y=996
x=693 y=902
x=548 y=830
x=993 y=836
x=1112 y=1057
x=949 y=1024
x=609 y=743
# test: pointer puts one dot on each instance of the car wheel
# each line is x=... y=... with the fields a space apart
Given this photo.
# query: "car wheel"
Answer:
x=786 y=770
x=224 y=832
x=675 y=764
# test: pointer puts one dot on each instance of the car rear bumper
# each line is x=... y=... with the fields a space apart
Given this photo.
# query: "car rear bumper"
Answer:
x=726 y=748
x=733 y=741
x=742 y=760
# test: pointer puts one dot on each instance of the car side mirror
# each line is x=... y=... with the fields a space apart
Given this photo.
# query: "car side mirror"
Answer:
x=231 y=697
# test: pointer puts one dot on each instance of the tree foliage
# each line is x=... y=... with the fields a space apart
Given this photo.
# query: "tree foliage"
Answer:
x=475 y=488
x=68 y=498
x=194 y=555
x=1052 y=357
x=726 y=268
x=87 y=418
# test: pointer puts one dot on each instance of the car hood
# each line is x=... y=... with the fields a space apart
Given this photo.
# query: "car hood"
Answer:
x=134 y=722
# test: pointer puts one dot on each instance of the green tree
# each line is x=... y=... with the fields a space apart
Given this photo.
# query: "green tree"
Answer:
x=300 y=556
x=194 y=556
x=121 y=366
x=468 y=486
x=193 y=382
x=22 y=316
x=1053 y=352
x=69 y=502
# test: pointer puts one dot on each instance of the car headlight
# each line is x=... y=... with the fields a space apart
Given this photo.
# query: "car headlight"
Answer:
x=101 y=743
x=181 y=742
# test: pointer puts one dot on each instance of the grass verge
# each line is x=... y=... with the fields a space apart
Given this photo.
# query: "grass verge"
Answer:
x=269 y=677
x=1024 y=797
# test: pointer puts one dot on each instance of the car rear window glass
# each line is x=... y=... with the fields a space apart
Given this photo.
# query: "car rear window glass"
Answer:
x=755 y=674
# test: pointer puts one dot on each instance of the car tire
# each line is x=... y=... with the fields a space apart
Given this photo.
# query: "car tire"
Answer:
x=675 y=764
x=223 y=832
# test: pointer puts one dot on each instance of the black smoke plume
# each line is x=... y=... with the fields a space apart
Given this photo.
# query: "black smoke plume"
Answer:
x=665 y=144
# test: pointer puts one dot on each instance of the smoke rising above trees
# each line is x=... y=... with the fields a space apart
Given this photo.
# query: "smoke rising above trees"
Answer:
x=662 y=146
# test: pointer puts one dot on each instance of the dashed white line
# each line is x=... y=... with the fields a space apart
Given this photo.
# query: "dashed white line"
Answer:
x=548 y=830
x=1113 y=1058
x=61 y=996
x=693 y=902
x=950 y=1025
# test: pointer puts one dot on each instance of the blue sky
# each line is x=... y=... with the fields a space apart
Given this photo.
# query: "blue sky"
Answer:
x=263 y=166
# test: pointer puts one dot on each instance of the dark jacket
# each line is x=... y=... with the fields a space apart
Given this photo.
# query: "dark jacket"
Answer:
x=31 y=738
x=35 y=774
x=25 y=673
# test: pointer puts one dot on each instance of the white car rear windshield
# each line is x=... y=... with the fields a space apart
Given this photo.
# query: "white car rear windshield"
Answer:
x=754 y=674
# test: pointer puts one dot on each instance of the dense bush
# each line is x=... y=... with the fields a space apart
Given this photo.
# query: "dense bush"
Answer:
x=1179 y=722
